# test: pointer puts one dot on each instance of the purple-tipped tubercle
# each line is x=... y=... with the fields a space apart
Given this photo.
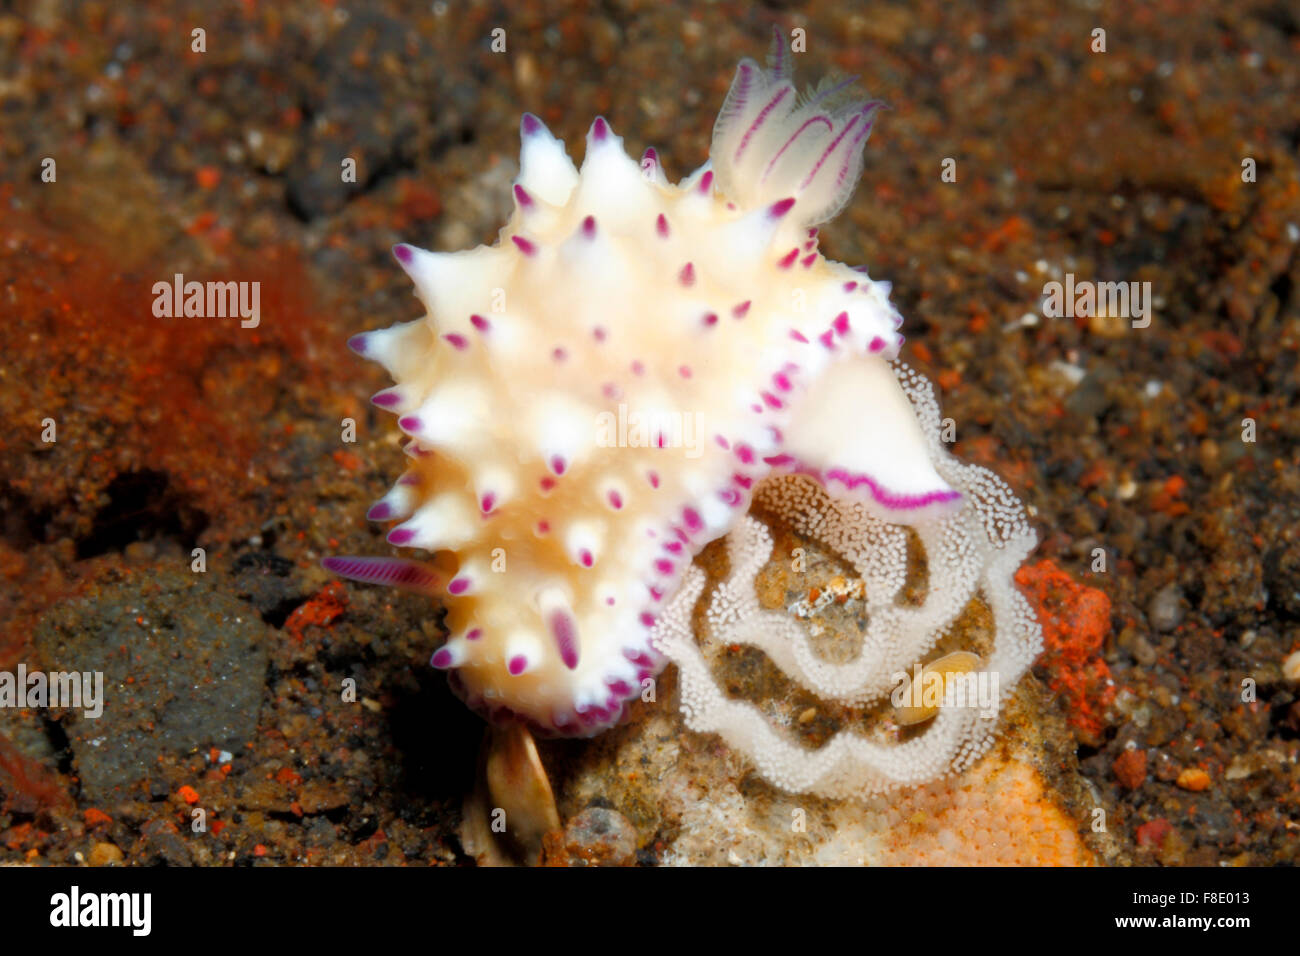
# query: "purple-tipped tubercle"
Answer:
x=564 y=630
x=780 y=208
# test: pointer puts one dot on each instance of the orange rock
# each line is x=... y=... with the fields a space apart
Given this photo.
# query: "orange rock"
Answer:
x=321 y=610
x=95 y=817
x=207 y=177
x=1130 y=768
x=104 y=854
x=1165 y=500
x=1193 y=778
x=1153 y=832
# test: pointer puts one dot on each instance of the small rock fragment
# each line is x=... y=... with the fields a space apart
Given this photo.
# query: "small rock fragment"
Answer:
x=1130 y=768
x=1291 y=667
x=104 y=854
x=1166 y=609
x=1143 y=652
x=595 y=837
x=1153 y=832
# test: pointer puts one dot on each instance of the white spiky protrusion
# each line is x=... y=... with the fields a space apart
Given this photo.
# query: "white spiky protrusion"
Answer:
x=397 y=348
x=446 y=521
x=545 y=169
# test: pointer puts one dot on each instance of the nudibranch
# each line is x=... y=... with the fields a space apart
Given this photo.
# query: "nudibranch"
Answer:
x=599 y=394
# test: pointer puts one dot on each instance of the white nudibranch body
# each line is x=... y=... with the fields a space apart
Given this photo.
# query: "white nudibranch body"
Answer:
x=596 y=396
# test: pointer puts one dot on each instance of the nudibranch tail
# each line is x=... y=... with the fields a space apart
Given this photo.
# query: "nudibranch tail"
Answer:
x=893 y=467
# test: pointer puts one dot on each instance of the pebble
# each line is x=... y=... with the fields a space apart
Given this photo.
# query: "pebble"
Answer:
x=139 y=552
x=1153 y=832
x=1130 y=768
x=597 y=836
x=104 y=854
x=1194 y=779
x=1291 y=667
x=1143 y=652
x=1166 y=609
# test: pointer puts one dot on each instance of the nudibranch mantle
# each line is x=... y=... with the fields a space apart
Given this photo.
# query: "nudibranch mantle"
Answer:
x=596 y=396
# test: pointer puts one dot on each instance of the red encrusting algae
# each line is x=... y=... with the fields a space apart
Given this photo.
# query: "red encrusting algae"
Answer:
x=159 y=425
x=26 y=787
x=321 y=610
x=1075 y=620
